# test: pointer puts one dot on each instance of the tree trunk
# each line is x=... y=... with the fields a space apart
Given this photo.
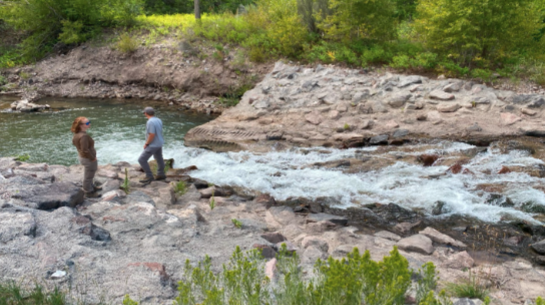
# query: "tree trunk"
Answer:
x=197 y=10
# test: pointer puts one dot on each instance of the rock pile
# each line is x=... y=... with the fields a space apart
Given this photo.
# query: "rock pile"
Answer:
x=329 y=106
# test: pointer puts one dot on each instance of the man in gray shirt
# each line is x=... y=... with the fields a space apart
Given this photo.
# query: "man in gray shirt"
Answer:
x=153 y=147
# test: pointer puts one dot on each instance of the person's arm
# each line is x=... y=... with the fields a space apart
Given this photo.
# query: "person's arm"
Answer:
x=86 y=149
x=151 y=136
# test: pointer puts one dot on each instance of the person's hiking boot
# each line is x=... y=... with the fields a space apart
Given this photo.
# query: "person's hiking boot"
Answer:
x=92 y=195
x=146 y=180
x=160 y=177
x=97 y=187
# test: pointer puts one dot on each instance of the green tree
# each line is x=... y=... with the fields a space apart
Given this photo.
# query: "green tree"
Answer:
x=476 y=32
x=360 y=19
x=70 y=21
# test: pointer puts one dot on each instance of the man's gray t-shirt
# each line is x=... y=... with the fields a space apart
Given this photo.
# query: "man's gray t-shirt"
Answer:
x=155 y=126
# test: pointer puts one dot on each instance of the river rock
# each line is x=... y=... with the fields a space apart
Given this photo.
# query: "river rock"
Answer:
x=447 y=107
x=379 y=140
x=509 y=118
x=311 y=255
x=453 y=87
x=51 y=196
x=441 y=95
x=16 y=224
x=539 y=247
x=399 y=100
x=441 y=238
x=26 y=106
x=274 y=238
x=405 y=81
x=460 y=261
x=466 y=301
x=388 y=235
x=416 y=243
x=343 y=221
x=315 y=241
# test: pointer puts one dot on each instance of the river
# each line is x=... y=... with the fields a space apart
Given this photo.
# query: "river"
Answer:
x=118 y=129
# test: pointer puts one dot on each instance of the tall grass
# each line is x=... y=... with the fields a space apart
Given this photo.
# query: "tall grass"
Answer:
x=11 y=293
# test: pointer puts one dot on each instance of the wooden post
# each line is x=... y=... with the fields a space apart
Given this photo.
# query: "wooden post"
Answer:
x=197 y=10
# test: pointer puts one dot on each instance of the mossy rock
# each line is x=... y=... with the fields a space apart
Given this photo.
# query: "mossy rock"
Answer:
x=532 y=207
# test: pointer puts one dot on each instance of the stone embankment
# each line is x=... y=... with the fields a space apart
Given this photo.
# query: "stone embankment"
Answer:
x=137 y=243
x=330 y=106
x=170 y=72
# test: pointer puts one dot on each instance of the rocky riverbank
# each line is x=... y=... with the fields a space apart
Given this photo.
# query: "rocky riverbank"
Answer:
x=137 y=243
x=335 y=107
x=182 y=74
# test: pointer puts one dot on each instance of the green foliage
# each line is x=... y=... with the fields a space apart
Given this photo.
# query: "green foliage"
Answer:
x=126 y=186
x=346 y=126
x=475 y=33
x=22 y=158
x=212 y=202
x=427 y=282
x=353 y=20
x=13 y=293
x=539 y=301
x=67 y=21
x=127 y=44
x=128 y=301
x=472 y=288
x=355 y=279
x=237 y=223
x=242 y=281
x=3 y=80
x=180 y=188
x=431 y=299
x=187 y=7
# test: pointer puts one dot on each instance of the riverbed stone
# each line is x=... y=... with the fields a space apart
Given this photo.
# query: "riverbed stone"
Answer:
x=399 y=100
x=509 y=118
x=448 y=107
x=416 y=243
x=15 y=224
x=315 y=241
x=339 y=220
x=379 y=140
x=51 y=196
x=453 y=87
x=405 y=81
x=441 y=238
x=441 y=95
x=460 y=261
x=539 y=247
x=388 y=235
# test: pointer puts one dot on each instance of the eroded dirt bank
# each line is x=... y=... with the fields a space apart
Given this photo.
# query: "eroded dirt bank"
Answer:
x=182 y=74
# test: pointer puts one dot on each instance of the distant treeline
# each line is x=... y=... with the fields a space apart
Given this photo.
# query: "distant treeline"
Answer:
x=457 y=37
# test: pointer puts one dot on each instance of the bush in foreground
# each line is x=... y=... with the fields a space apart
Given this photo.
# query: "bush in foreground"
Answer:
x=356 y=279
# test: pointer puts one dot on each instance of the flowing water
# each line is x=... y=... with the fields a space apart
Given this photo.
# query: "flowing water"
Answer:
x=118 y=129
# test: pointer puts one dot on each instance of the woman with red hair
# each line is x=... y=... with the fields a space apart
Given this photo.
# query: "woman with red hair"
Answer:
x=87 y=155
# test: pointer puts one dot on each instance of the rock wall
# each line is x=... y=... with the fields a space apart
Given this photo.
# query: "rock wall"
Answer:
x=330 y=106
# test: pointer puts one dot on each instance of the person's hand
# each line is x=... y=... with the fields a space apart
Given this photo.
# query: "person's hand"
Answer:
x=94 y=160
x=146 y=145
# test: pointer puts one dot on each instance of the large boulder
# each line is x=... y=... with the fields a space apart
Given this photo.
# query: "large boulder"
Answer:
x=416 y=243
x=46 y=197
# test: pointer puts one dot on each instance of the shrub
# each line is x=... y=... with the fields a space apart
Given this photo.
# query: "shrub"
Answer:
x=22 y=158
x=466 y=30
x=472 y=287
x=12 y=293
x=126 y=44
x=352 y=20
x=126 y=186
x=355 y=279
x=180 y=188
x=237 y=223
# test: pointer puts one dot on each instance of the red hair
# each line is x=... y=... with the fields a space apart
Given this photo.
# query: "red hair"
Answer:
x=76 y=125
